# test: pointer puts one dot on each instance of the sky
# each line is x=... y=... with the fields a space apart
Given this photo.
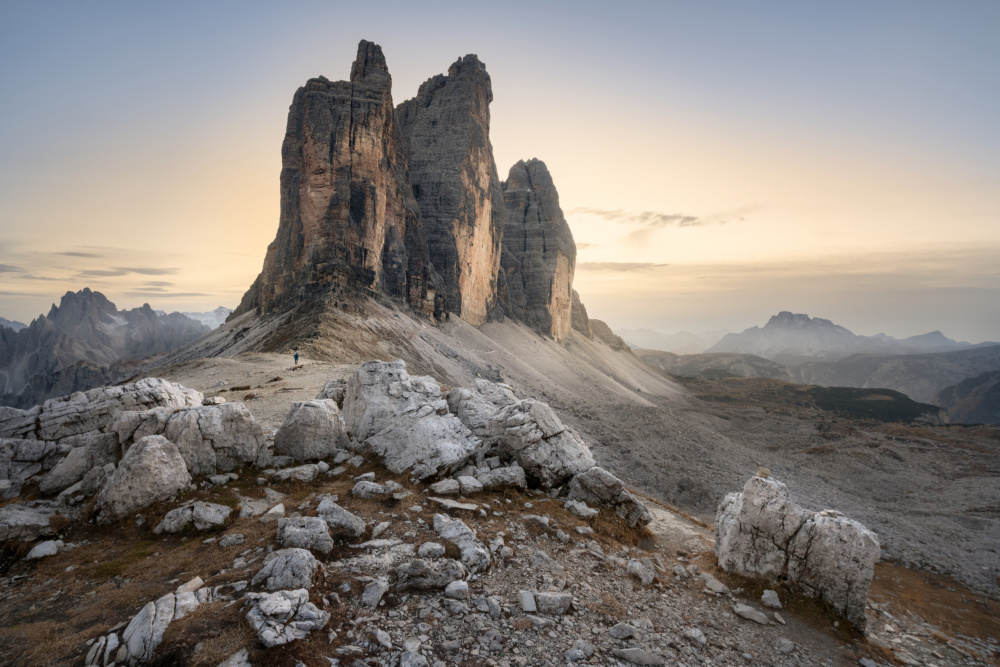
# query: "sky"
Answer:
x=717 y=162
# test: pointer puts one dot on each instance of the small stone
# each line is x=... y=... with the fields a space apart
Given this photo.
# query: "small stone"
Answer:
x=527 y=600
x=770 y=599
x=778 y=618
x=43 y=549
x=446 y=487
x=231 y=540
x=784 y=646
x=431 y=550
x=553 y=604
x=696 y=635
x=638 y=656
x=622 y=631
x=469 y=485
x=273 y=514
x=749 y=613
x=372 y=595
x=584 y=530
x=367 y=477
x=640 y=572
x=458 y=590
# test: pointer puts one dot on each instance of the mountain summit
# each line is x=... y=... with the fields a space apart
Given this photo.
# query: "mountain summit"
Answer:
x=404 y=204
x=791 y=338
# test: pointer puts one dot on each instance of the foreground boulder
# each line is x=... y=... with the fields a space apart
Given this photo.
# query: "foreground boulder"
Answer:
x=204 y=516
x=405 y=422
x=597 y=486
x=311 y=431
x=287 y=568
x=24 y=523
x=760 y=533
x=92 y=411
x=151 y=471
x=284 y=616
x=211 y=438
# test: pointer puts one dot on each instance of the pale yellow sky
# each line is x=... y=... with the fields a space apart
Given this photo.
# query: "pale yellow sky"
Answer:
x=857 y=181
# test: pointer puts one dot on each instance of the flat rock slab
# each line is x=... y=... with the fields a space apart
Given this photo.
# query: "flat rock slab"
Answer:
x=450 y=504
x=638 y=656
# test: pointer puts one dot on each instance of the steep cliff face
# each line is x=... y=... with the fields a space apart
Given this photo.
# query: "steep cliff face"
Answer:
x=454 y=177
x=349 y=223
x=539 y=255
x=579 y=317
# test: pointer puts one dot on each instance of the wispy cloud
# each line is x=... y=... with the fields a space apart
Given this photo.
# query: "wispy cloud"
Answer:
x=166 y=295
x=619 y=267
x=655 y=219
x=157 y=283
x=584 y=246
x=10 y=268
x=78 y=254
x=126 y=270
x=30 y=276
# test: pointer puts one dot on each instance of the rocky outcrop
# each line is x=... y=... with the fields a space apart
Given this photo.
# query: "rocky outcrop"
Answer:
x=604 y=334
x=74 y=347
x=539 y=255
x=578 y=317
x=454 y=177
x=151 y=471
x=211 y=438
x=349 y=223
x=311 y=431
x=760 y=533
x=284 y=616
x=597 y=486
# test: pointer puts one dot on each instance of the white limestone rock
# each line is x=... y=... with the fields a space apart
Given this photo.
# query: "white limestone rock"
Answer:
x=286 y=569
x=204 y=516
x=145 y=631
x=597 y=486
x=211 y=438
x=475 y=406
x=305 y=532
x=93 y=410
x=25 y=524
x=420 y=575
x=311 y=431
x=530 y=433
x=342 y=523
x=45 y=549
x=305 y=473
x=151 y=471
x=762 y=534
x=475 y=555
x=284 y=616
x=509 y=477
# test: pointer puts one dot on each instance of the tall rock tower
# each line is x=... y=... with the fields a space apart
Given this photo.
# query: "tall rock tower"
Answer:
x=454 y=177
x=539 y=255
x=349 y=222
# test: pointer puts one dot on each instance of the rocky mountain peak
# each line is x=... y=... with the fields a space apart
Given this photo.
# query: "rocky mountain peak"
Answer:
x=370 y=67
x=539 y=257
x=788 y=320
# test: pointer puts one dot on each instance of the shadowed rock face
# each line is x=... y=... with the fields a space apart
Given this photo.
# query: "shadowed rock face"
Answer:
x=349 y=223
x=454 y=177
x=579 y=317
x=539 y=255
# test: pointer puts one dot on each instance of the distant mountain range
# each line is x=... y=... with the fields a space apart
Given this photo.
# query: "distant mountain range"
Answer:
x=11 y=324
x=81 y=343
x=213 y=319
x=790 y=338
x=682 y=342
x=931 y=368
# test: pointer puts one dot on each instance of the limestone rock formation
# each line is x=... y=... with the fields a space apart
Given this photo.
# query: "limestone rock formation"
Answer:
x=286 y=569
x=284 y=616
x=539 y=255
x=454 y=177
x=597 y=486
x=211 y=438
x=311 y=431
x=761 y=533
x=150 y=472
x=349 y=223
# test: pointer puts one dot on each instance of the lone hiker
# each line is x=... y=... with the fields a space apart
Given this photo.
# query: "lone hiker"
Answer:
x=296 y=357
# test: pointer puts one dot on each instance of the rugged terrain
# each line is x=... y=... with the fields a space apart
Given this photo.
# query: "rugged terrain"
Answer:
x=76 y=345
x=652 y=596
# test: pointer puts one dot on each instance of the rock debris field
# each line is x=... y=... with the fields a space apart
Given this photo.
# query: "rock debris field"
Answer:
x=389 y=522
